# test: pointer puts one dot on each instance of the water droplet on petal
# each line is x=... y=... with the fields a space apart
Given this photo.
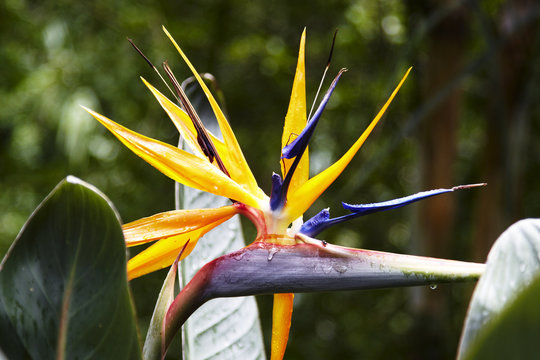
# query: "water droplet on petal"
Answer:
x=327 y=269
x=271 y=254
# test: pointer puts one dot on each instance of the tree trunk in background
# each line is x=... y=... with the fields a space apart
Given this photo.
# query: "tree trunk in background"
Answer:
x=507 y=125
x=510 y=37
x=445 y=53
x=438 y=139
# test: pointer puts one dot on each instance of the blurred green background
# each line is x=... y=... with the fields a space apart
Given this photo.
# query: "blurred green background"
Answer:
x=468 y=113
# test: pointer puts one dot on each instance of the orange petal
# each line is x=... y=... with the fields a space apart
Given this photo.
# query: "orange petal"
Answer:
x=299 y=201
x=237 y=165
x=164 y=252
x=185 y=126
x=281 y=324
x=180 y=119
x=171 y=223
x=295 y=120
x=178 y=164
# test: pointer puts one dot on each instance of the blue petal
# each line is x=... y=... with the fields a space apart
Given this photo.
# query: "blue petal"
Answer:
x=299 y=145
x=316 y=224
x=365 y=209
x=322 y=220
x=276 y=198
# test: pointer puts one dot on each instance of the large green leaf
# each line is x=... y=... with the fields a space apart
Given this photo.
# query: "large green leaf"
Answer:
x=222 y=328
x=63 y=282
x=9 y=340
x=503 y=321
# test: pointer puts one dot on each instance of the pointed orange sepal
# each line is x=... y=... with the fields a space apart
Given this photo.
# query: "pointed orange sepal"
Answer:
x=165 y=251
x=296 y=120
x=299 y=201
x=179 y=165
x=185 y=126
x=172 y=223
x=236 y=165
x=281 y=324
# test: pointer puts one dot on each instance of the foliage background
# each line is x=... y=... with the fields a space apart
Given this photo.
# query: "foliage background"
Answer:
x=469 y=113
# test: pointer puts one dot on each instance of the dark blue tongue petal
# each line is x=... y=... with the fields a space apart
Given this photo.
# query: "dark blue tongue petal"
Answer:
x=322 y=220
x=299 y=145
x=366 y=209
x=296 y=149
x=276 y=197
x=316 y=224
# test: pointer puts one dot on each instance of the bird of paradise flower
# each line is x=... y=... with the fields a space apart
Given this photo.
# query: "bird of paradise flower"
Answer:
x=219 y=167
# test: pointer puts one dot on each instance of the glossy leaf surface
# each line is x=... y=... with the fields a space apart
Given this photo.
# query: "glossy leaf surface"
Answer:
x=503 y=321
x=63 y=282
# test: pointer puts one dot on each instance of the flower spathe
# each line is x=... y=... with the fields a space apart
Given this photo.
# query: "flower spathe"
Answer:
x=293 y=191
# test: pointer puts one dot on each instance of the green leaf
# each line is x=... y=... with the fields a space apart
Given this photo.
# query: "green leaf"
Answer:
x=11 y=346
x=153 y=345
x=228 y=328
x=503 y=321
x=63 y=281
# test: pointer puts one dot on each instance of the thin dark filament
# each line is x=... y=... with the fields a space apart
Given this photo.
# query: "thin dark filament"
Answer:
x=203 y=139
x=153 y=67
x=324 y=74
